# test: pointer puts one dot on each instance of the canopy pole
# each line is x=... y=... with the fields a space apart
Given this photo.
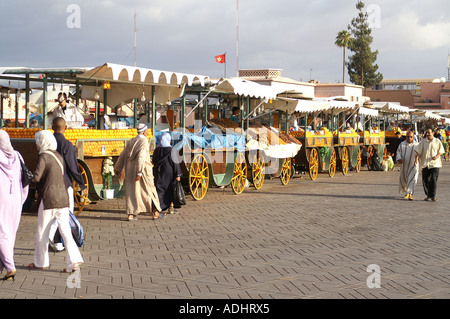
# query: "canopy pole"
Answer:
x=77 y=93
x=153 y=109
x=1 y=110
x=27 y=101
x=286 y=121
x=44 y=101
x=183 y=111
x=205 y=111
x=247 y=111
x=134 y=112
x=105 y=102
x=16 y=110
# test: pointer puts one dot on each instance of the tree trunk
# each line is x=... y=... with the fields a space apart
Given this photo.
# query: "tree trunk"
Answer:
x=343 y=68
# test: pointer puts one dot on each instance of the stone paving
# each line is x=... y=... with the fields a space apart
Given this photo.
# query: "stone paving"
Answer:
x=334 y=238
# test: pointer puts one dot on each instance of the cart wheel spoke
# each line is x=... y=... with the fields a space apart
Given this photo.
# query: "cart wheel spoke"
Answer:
x=198 y=177
x=332 y=169
x=286 y=171
x=240 y=174
x=345 y=160
x=313 y=164
x=358 y=161
x=80 y=199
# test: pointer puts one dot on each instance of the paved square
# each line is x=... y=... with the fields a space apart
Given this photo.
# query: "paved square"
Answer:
x=304 y=240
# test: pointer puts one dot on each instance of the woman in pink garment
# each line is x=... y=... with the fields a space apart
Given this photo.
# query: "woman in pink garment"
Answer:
x=12 y=197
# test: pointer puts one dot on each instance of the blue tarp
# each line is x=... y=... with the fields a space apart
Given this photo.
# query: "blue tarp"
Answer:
x=207 y=139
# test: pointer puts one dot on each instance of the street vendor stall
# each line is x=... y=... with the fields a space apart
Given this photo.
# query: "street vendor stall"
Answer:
x=317 y=136
x=110 y=85
x=347 y=140
x=379 y=142
x=269 y=149
x=220 y=152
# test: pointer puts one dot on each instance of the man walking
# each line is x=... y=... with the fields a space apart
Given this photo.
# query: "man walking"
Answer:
x=430 y=150
x=409 y=170
x=140 y=190
x=71 y=172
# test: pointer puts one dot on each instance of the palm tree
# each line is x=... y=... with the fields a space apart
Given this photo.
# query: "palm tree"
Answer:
x=343 y=40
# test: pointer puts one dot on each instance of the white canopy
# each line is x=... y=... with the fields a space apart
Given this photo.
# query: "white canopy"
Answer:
x=431 y=115
x=390 y=107
x=128 y=82
x=246 y=88
x=136 y=75
x=368 y=112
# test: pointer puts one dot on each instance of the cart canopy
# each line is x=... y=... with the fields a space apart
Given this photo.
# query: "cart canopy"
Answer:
x=246 y=88
x=128 y=82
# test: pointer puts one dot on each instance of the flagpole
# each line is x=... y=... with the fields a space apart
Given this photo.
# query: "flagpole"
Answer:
x=237 y=37
x=225 y=66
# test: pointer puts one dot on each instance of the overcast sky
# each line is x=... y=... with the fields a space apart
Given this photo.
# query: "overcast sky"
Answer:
x=297 y=36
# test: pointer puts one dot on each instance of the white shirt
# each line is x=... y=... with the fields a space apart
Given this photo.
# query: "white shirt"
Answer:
x=73 y=117
x=427 y=150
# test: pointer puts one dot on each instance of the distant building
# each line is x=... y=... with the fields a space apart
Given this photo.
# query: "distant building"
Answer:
x=415 y=93
x=306 y=90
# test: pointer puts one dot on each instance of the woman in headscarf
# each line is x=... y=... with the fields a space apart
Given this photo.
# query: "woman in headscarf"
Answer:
x=53 y=203
x=166 y=172
x=12 y=197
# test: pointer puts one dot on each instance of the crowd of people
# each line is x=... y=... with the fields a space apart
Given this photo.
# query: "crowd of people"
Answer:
x=149 y=189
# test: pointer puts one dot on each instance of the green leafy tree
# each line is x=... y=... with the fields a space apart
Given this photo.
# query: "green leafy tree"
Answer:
x=343 y=40
x=362 y=68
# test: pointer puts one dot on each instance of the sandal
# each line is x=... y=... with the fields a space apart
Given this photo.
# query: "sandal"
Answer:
x=131 y=217
x=160 y=216
x=32 y=266
x=75 y=268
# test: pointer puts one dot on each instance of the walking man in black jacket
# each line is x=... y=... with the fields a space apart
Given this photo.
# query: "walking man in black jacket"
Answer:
x=71 y=172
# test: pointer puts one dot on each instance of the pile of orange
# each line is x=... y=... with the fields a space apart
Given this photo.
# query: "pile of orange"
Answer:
x=297 y=133
x=76 y=134
x=103 y=148
x=21 y=133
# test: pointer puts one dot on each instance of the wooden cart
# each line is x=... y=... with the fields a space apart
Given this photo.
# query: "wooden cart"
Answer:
x=91 y=153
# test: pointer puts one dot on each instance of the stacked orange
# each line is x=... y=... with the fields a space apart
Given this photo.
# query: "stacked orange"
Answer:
x=21 y=133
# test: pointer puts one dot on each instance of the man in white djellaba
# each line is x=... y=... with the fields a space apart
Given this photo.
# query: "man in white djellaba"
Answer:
x=409 y=170
x=68 y=112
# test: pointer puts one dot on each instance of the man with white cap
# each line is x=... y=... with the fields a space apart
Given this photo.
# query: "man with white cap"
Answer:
x=140 y=191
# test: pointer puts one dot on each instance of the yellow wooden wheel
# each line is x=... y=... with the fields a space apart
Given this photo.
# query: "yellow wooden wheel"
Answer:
x=240 y=174
x=80 y=199
x=286 y=171
x=258 y=170
x=358 y=162
x=332 y=168
x=198 y=177
x=313 y=164
x=447 y=152
x=345 y=160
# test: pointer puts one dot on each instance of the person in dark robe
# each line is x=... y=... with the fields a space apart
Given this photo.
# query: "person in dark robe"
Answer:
x=166 y=173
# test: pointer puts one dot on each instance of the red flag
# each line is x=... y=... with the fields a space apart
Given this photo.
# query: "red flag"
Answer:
x=220 y=58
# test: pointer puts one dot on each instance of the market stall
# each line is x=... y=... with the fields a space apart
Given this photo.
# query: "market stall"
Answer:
x=319 y=153
x=108 y=86
x=347 y=140
x=220 y=152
